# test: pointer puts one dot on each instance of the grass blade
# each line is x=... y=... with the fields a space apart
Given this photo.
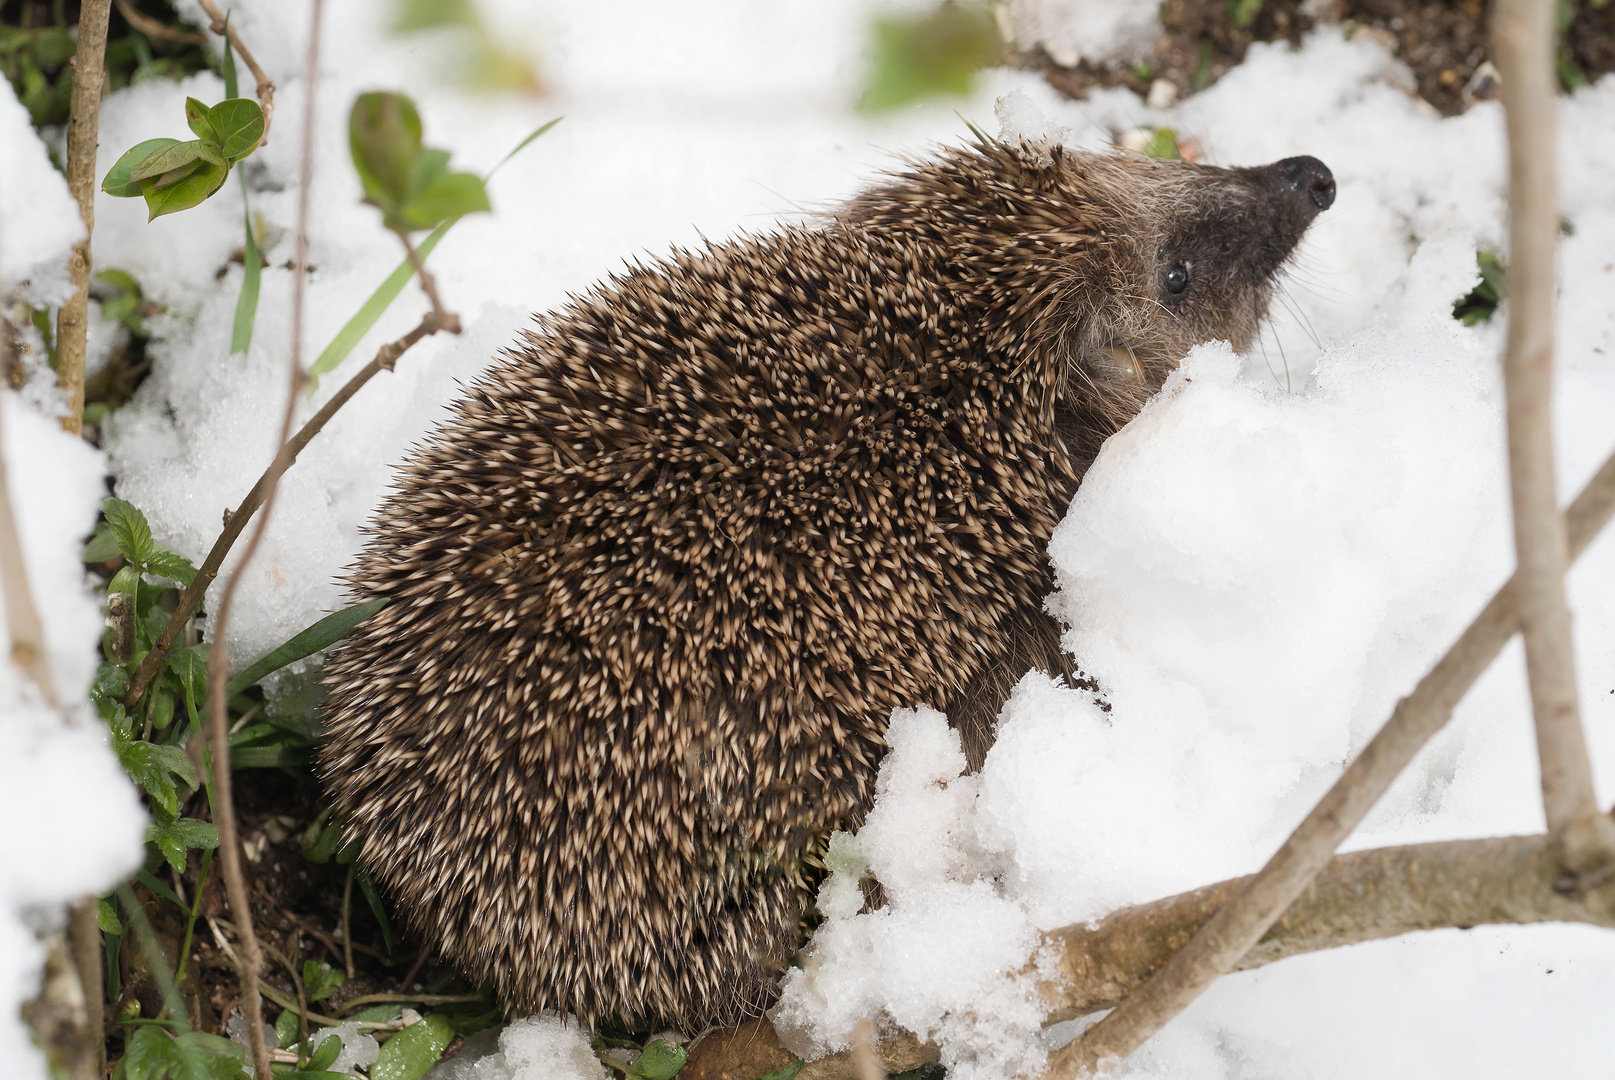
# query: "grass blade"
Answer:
x=323 y=634
x=252 y=269
x=380 y=300
x=373 y=898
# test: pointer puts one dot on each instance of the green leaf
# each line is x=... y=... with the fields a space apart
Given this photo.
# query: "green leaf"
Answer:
x=172 y=163
x=661 y=1060
x=270 y=757
x=103 y=546
x=286 y=1028
x=1244 y=12
x=322 y=635
x=251 y=271
x=175 y=838
x=111 y=682
x=117 y=180
x=327 y=1052
x=200 y=1056
x=409 y=1054
x=377 y=908
x=453 y=195
x=197 y=119
x=426 y=14
x=148 y=1054
x=938 y=52
x=106 y=916
x=162 y=706
x=151 y=766
x=1163 y=143
x=240 y=124
x=188 y=666
x=319 y=982
x=129 y=526
x=146 y=878
x=171 y=565
x=384 y=137
x=787 y=1073
x=388 y=291
x=191 y=191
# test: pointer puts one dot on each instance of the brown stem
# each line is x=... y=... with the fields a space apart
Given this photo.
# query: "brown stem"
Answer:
x=446 y=320
x=251 y=956
x=83 y=126
x=347 y=923
x=154 y=29
x=1236 y=927
x=236 y=520
x=1523 y=35
x=84 y=940
x=266 y=86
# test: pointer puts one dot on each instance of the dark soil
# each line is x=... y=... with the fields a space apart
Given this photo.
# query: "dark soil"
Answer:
x=1444 y=42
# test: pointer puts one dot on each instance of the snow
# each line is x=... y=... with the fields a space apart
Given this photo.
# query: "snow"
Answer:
x=541 y=1047
x=1074 y=30
x=39 y=221
x=1254 y=576
x=76 y=824
x=1254 y=570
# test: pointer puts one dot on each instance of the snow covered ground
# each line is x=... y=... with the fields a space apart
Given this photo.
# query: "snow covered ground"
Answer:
x=1254 y=570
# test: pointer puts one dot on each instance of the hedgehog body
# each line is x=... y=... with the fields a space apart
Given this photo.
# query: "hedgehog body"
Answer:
x=659 y=581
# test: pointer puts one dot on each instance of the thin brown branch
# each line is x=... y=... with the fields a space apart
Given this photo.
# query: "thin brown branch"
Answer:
x=251 y=955
x=266 y=86
x=83 y=125
x=446 y=320
x=1237 y=926
x=236 y=521
x=1523 y=36
x=347 y=923
x=154 y=29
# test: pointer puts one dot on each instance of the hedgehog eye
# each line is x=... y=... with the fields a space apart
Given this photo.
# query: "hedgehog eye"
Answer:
x=1177 y=278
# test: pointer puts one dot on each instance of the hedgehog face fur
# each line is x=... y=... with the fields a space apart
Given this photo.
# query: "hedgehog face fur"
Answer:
x=659 y=581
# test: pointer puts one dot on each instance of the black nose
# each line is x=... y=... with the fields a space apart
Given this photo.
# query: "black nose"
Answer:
x=1308 y=174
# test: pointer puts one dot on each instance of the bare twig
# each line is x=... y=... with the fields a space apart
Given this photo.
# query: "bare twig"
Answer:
x=154 y=29
x=266 y=86
x=236 y=521
x=1523 y=35
x=1237 y=926
x=347 y=923
x=863 y=1052
x=251 y=956
x=82 y=127
x=446 y=320
x=22 y=618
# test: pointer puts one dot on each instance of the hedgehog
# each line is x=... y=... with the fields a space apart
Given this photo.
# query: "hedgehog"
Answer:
x=659 y=580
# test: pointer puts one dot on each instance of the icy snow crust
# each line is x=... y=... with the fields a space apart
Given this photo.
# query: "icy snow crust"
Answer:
x=1254 y=570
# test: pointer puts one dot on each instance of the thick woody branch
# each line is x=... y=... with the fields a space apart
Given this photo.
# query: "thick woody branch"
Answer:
x=1522 y=35
x=83 y=125
x=1224 y=939
x=266 y=86
x=1363 y=896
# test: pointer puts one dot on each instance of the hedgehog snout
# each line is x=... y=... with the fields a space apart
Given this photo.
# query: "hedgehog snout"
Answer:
x=1310 y=179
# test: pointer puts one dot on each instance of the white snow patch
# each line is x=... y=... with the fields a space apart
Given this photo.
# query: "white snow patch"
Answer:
x=77 y=825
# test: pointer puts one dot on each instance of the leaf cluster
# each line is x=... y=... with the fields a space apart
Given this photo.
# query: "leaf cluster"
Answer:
x=154 y=1054
x=172 y=175
x=410 y=183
